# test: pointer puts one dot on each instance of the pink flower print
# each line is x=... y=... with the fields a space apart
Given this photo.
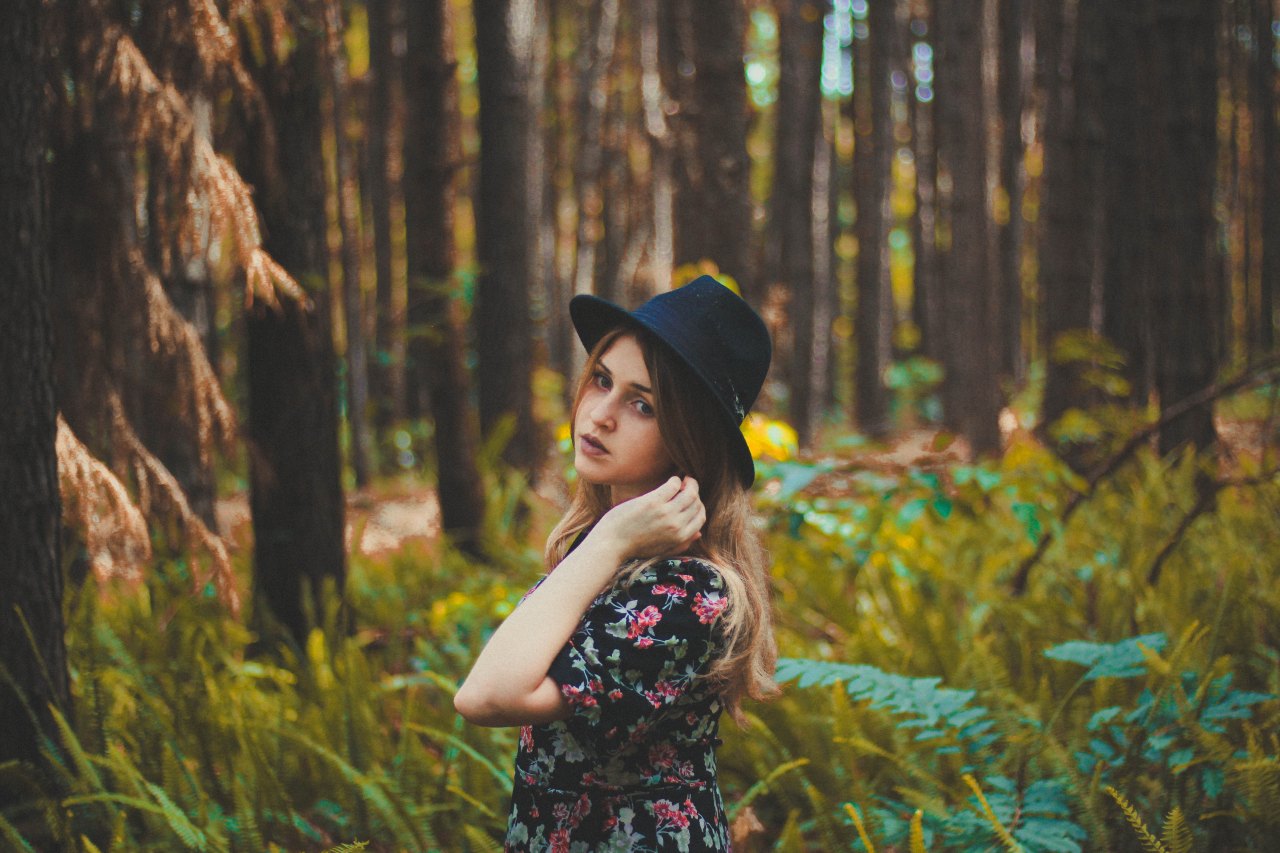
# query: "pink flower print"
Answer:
x=670 y=591
x=644 y=620
x=615 y=694
x=560 y=841
x=662 y=754
x=561 y=812
x=526 y=738
x=576 y=696
x=666 y=812
x=644 y=642
x=580 y=809
x=708 y=608
x=689 y=808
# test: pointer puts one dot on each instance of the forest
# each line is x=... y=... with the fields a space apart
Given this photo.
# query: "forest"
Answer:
x=285 y=369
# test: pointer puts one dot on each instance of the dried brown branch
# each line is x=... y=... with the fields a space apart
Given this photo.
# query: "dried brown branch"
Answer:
x=1256 y=374
x=97 y=506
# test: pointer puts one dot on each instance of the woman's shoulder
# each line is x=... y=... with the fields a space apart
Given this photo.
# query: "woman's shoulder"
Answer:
x=692 y=573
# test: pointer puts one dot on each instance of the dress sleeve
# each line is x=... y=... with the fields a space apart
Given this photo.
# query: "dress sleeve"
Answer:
x=639 y=648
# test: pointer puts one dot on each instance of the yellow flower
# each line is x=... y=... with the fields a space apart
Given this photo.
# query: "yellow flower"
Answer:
x=768 y=438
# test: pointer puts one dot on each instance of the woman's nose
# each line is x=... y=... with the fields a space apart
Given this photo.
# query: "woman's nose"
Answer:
x=602 y=412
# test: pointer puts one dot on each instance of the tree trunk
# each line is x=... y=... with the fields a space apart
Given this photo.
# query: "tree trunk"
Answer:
x=1179 y=156
x=789 y=251
x=872 y=158
x=348 y=195
x=702 y=70
x=387 y=376
x=926 y=296
x=439 y=348
x=1267 y=146
x=30 y=514
x=295 y=467
x=505 y=221
x=1012 y=100
x=1071 y=252
x=1126 y=310
x=661 y=144
x=971 y=394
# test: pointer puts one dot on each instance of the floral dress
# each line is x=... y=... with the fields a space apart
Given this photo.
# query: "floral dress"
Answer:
x=634 y=767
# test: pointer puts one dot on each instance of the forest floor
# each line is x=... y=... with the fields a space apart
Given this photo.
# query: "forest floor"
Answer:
x=384 y=518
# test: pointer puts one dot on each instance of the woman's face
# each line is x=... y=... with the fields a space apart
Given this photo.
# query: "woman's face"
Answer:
x=615 y=429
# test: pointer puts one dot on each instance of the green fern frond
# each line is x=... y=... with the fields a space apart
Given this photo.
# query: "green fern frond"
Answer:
x=479 y=805
x=762 y=785
x=480 y=841
x=348 y=848
x=178 y=820
x=861 y=827
x=916 y=838
x=1005 y=838
x=14 y=838
x=1149 y=841
x=1176 y=834
x=503 y=777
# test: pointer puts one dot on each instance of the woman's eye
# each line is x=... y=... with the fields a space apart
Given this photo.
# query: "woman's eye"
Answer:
x=603 y=381
x=644 y=408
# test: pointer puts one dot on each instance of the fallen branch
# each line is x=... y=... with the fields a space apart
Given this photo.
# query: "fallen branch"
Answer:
x=1259 y=372
x=1206 y=501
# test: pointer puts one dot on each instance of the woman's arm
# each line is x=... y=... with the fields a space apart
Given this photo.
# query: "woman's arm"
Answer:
x=508 y=685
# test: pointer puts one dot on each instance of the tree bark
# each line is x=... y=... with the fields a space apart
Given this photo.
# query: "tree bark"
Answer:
x=295 y=495
x=1009 y=224
x=789 y=251
x=439 y=348
x=348 y=195
x=971 y=394
x=1126 y=311
x=1071 y=252
x=926 y=297
x=506 y=230
x=701 y=46
x=387 y=377
x=1267 y=147
x=33 y=667
x=1179 y=156
x=872 y=163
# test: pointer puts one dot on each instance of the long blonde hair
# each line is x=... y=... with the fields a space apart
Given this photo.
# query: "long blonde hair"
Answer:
x=694 y=435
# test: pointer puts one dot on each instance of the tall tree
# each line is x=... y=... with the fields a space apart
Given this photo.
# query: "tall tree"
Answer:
x=439 y=345
x=507 y=202
x=33 y=662
x=789 y=251
x=1071 y=251
x=1266 y=36
x=1011 y=81
x=295 y=497
x=926 y=295
x=1126 y=312
x=971 y=394
x=701 y=46
x=1179 y=156
x=348 y=193
x=387 y=373
x=872 y=159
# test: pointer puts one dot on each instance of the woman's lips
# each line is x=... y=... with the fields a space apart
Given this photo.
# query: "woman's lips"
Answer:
x=591 y=446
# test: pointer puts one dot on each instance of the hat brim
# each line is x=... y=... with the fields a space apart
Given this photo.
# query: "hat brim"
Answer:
x=594 y=317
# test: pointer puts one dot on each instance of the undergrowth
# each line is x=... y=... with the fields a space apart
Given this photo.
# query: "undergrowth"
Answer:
x=925 y=707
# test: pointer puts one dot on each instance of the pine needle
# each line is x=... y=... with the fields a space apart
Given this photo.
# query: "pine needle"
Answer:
x=916 y=841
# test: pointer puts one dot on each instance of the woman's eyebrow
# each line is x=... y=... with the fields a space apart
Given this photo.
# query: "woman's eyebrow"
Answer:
x=636 y=385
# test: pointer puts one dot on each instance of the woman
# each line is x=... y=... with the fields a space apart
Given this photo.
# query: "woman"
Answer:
x=654 y=613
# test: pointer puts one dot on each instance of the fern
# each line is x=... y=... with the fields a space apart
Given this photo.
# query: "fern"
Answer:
x=861 y=827
x=1149 y=841
x=916 y=842
x=1176 y=835
x=1005 y=838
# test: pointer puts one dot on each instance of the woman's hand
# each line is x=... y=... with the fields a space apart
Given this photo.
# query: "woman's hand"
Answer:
x=665 y=521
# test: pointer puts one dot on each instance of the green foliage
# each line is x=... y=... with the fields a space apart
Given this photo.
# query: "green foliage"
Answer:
x=923 y=706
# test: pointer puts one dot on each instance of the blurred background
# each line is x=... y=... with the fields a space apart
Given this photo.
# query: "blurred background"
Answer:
x=287 y=362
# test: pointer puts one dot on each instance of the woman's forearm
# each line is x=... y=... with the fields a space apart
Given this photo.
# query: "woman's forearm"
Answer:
x=508 y=685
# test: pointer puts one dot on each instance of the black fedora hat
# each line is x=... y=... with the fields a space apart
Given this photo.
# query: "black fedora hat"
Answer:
x=709 y=328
